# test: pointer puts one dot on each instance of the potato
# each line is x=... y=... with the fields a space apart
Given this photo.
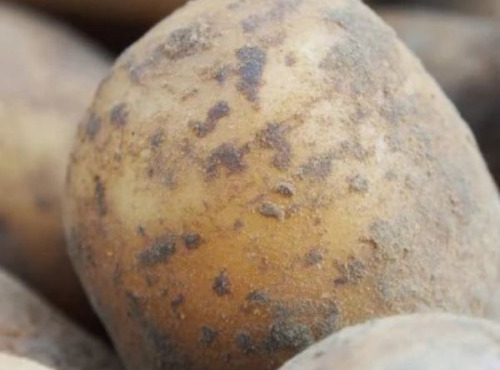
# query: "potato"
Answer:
x=463 y=54
x=47 y=78
x=255 y=175
x=18 y=363
x=425 y=341
x=130 y=11
x=30 y=328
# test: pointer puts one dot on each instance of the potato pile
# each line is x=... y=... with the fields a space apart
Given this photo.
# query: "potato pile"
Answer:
x=248 y=179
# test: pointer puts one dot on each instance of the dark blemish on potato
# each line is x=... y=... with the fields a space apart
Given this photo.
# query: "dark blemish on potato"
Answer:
x=358 y=184
x=217 y=112
x=93 y=126
x=273 y=137
x=270 y=209
x=221 y=284
x=290 y=60
x=151 y=280
x=134 y=307
x=318 y=167
x=318 y=354
x=276 y=13
x=191 y=240
x=156 y=139
x=285 y=188
x=257 y=296
x=208 y=335
x=221 y=73
x=228 y=156
x=244 y=342
x=252 y=60
x=44 y=203
x=288 y=335
x=314 y=256
x=119 y=115
x=354 y=150
x=169 y=179
x=350 y=272
x=100 y=196
x=140 y=230
x=117 y=277
x=159 y=251
x=178 y=300
x=187 y=41
x=238 y=224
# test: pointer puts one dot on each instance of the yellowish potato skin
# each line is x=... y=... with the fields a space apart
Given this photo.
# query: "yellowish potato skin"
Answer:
x=47 y=77
x=420 y=341
x=31 y=328
x=256 y=175
x=18 y=363
x=463 y=53
x=130 y=11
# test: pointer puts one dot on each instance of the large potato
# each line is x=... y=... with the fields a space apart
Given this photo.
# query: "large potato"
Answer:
x=47 y=78
x=430 y=342
x=130 y=11
x=256 y=175
x=30 y=328
x=463 y=54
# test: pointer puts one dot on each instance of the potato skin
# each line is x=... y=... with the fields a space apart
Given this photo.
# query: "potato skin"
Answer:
x=30 y=328
x=127 y=11
x=47 y=78
x=254 y=176
x=463 y=54
x=420 y=341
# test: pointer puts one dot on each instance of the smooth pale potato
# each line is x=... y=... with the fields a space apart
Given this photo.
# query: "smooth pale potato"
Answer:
x=255 y=175
x=47 y=78
x=130 y=11
x=8 y=362
x=463 y=54
x=417 y=342
x=30 y=328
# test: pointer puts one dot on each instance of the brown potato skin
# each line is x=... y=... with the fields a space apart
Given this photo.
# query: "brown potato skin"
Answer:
x=31 y=328
x=254 y=176
x=463 y=54
x=126 y=11
x=421 y=341
x=47 y=77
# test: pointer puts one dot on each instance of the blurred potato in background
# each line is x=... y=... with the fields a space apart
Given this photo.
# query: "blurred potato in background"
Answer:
x=463 y=53
x=48 y=75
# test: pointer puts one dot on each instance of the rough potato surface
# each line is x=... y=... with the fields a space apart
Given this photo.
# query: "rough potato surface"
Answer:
x=30 y=328
x=421 y=341
x=47 y=78
x=463 y=54
x=255 y=175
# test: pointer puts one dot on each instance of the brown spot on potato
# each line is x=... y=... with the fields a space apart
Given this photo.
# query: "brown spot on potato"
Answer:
x=288 y=335
x=44 y=203
x=273 y=137
x=358 y=184
x=257 y=296
x=93 y=126
x=350 y=272
x=217 y=112
x=228 y=156
x=244 y=342
x=290 y=60
x=221 y=284
x=178 y=300
x=157 y=138
x=318 y=167
x=314 y=256
x=221 y=73
x=140 y=230
x=191 y=240
x=270 y=209
x=100 y=196
x=252 y=61
x=276 y=13
x=285 y=188
x=208 y=335
x=187 y=41
x=118 y=115
x=159 y=251
x=238 y=224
